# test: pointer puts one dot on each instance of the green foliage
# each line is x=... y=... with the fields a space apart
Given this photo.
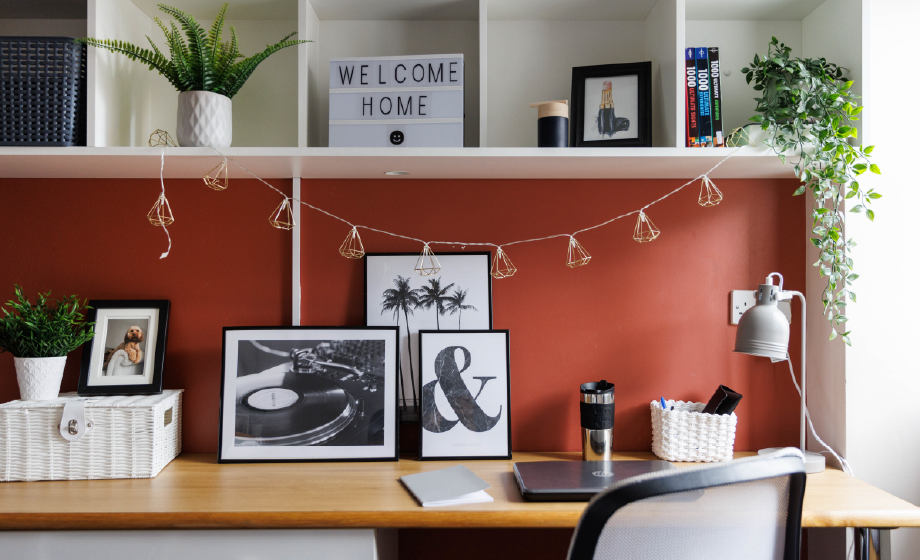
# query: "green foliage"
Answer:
x=808 y=111
x=43 y=331
x=201 y=61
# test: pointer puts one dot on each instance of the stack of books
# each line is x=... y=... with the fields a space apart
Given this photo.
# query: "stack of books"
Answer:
x=704 y=98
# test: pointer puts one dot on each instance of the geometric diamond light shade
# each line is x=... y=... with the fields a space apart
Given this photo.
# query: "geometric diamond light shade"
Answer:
x=502 y=267
x=427 y=263
x=283 y=216
x=710 y=195
x=352 y=248
x=161 y=214
x=577 y=256
x=214 y=180
x=645 y=230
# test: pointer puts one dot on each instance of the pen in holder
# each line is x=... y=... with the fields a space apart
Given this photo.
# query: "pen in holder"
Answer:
x=597 y=408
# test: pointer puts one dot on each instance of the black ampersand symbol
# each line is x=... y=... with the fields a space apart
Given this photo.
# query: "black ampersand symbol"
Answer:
x=458 y=396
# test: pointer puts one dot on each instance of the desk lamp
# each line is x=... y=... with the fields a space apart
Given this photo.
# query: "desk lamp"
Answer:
x=764 y=331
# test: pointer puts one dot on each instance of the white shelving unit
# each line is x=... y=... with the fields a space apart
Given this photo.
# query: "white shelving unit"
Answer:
x=515 y=52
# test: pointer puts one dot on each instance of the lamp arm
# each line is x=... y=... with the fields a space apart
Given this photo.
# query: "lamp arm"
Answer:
x=789 y=295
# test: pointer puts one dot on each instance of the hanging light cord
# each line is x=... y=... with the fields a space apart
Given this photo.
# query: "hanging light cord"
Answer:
x=391 y=234
x=163 y=194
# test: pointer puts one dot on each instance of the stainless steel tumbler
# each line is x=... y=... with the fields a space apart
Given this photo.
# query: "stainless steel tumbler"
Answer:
x=597 y=408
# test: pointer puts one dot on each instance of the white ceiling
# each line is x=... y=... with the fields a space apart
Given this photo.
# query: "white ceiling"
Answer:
x=396 y=9
x=570 y=10
x=757 y=10
x=205 y=10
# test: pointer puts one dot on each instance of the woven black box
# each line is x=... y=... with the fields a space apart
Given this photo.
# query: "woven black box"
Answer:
x=42 y=92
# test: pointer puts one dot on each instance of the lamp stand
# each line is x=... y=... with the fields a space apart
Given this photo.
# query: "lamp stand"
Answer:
x=814 y=462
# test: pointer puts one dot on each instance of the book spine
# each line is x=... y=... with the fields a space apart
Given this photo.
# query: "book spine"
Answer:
x=715 y=97
x=693 y=118
x=702 y=86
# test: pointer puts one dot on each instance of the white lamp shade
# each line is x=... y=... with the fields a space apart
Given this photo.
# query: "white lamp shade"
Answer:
x=763 y=329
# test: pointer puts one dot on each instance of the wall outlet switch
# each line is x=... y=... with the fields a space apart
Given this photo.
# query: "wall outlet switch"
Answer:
x=742 y=300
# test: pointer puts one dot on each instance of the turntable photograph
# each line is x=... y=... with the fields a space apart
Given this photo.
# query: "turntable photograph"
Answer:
x=308 y=393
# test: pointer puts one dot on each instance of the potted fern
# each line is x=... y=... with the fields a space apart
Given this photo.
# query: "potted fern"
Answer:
x=40 y=336
x=205 y=69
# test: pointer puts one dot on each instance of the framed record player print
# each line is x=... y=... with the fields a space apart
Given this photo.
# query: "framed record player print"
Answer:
x=309 y=394
x=612 y=105
x=464 y=385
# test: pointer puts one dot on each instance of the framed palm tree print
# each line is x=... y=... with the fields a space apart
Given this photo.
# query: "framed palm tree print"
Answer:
x=457 y=297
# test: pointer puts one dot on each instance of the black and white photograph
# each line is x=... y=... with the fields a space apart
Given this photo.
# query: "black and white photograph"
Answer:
x=611 y=105
x=464 y=383
x=308 y=394
x=459 y=297
x=126 y=353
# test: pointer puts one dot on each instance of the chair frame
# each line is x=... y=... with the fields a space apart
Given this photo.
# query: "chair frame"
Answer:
x=606 y=504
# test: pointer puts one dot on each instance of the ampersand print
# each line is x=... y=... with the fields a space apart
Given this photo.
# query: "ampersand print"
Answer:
x=461 y=401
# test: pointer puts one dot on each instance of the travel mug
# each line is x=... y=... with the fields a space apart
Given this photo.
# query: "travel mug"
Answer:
x=596 y=420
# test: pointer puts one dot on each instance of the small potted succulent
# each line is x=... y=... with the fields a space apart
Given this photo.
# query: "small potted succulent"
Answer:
x=39 y=336
x=206 y=71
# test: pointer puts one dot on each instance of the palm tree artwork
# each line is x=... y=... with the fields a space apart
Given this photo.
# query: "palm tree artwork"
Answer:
x=456 y=304
x=435 y=295
x=403 y=299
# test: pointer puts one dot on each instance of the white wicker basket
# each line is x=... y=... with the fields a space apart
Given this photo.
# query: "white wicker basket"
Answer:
x=132 y=437
x=686 y=434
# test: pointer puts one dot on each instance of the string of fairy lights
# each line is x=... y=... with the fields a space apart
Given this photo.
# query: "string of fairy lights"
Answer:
x=218 y=178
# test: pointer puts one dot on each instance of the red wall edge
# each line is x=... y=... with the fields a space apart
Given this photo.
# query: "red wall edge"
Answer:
x=652 y=318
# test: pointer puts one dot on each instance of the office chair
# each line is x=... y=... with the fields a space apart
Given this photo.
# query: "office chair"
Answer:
x=748 y=508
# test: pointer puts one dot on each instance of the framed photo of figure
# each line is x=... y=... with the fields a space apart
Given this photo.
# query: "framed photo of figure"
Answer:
x=292 y=394
x=459 y=296
x=464 y=385
x=612 y=105
x=125 y=355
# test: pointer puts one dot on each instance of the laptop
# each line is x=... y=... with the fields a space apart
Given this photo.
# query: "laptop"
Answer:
x=576 y=481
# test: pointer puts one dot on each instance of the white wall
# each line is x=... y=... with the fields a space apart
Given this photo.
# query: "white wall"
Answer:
x=883 y=371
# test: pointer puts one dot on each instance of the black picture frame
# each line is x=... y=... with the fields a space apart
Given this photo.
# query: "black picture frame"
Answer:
x=643 y=70
x=93 y=350
x=388 y=452
x=506 y=402
x=407 y=414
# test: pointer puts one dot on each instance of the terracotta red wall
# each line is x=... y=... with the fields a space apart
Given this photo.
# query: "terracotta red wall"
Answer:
x=650 y=317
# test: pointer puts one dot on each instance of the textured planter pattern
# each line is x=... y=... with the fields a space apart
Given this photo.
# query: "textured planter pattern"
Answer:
x=204 y=119
x=39 y=378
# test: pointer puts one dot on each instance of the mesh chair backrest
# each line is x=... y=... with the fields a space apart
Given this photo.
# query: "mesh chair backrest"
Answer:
x=749 y=508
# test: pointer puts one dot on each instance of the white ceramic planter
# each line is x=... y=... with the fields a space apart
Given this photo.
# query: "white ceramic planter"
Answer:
x=39 y=378
x=204 y=119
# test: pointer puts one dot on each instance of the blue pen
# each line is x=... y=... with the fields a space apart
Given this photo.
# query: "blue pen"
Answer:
x=663 y=405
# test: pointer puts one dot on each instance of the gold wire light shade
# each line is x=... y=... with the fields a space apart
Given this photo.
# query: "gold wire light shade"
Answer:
x=283 y=216
x=213 y=177
x=352 y=248
x=577 y=255
x=161 y=214
x=427 y=263
x=710 y=195
x=645 y=230
x=160 y=138
x=502 y=266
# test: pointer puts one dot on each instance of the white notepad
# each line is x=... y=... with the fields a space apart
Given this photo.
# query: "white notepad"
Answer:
x=447 y=487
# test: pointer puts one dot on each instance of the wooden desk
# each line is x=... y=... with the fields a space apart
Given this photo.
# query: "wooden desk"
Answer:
x=195 y=492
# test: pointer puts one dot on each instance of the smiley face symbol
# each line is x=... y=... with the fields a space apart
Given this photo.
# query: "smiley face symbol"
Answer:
x=397 y=137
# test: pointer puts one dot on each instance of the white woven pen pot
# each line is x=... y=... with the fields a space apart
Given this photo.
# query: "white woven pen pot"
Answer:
x=204 y=119
x=39 y=378
x=686 y=434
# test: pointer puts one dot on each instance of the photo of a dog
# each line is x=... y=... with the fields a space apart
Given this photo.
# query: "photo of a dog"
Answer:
x=130 y=350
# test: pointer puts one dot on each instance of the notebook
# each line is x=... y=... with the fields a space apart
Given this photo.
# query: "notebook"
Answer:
x=447 y=487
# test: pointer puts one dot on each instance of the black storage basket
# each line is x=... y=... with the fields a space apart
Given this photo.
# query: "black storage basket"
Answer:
x=42 y=92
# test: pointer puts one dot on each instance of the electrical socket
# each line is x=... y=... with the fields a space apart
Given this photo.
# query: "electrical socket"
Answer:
x=742 y=300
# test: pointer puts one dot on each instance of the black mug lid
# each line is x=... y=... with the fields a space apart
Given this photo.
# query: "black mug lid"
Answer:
x=597 y=387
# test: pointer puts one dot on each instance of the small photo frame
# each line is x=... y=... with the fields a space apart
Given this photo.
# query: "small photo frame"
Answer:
x=612 y=105
x=125 y=355
x=303 y=394
x=465 y=395
x=459 y=296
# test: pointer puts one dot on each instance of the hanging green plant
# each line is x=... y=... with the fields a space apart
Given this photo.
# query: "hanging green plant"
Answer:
x=807 y=110
x=204 y=63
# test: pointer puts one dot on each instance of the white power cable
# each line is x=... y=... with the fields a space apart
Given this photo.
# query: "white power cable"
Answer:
x=841 y=460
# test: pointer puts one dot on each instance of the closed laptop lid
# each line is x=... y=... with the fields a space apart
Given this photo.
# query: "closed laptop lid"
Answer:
x=577 y=480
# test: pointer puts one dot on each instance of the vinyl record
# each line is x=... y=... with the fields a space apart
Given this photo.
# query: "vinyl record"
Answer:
x=303 y=409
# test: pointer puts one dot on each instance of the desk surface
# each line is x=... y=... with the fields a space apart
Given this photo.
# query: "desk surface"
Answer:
x=195 y=492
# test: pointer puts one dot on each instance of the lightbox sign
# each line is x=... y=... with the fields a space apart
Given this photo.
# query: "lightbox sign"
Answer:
x=390 y=101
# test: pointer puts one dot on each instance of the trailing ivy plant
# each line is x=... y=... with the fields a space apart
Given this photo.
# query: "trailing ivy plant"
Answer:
x=202 y=63
x=41 y=330
x=807 y=110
